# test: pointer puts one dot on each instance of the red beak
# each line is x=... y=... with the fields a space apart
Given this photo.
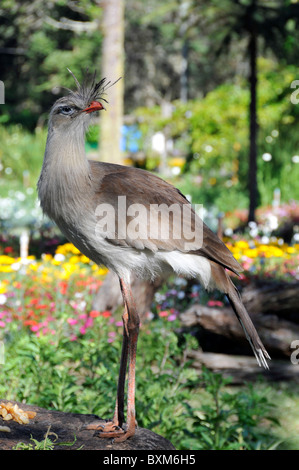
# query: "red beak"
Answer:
x=94 y=106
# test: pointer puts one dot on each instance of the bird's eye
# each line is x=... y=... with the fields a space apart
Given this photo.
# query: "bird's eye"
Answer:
x=66 y=110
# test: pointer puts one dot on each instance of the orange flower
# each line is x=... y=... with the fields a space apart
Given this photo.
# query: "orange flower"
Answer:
x=63 y=287
x=94 y=313
x=30 y=322
x=106 y=314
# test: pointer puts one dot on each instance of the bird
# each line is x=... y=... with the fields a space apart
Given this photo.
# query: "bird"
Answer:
x=131 y=221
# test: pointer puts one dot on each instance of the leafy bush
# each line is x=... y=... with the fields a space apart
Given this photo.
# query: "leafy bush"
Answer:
x=231 y=421
x=213 y=136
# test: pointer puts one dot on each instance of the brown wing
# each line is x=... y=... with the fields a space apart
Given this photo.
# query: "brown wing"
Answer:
x=158 y=216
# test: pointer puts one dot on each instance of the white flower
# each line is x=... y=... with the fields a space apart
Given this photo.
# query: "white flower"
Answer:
x=59 y=257
x=267 y=157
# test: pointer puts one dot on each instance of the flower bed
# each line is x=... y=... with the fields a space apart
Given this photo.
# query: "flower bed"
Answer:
x=275 y=259
x=40 y=293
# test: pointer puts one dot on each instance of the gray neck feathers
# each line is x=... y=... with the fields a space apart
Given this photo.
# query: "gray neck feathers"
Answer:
x=64 y=180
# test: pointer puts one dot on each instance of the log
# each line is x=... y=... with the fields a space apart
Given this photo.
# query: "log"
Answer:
x=218 y=330
x=244 y=368
x=69 y=428
x=280 y=298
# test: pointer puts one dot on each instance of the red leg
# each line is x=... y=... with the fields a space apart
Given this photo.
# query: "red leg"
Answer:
x=113 y=428
x=132 y=328
x=130 y=337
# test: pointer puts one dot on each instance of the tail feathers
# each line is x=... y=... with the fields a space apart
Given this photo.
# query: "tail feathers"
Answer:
x=251 y=334
x=225 y=284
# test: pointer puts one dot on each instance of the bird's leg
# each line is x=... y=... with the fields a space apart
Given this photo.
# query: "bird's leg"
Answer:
x=132 y=329
x=118 y=417
x=113 y=428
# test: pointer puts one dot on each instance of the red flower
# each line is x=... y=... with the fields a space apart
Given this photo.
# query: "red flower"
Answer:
x=106 y=314
x=63 y=287
x=8 y=249
x=94 y=313
x=164 y=313
x=30 y=322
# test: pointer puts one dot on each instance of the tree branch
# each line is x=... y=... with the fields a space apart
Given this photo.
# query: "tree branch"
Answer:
x=71 y=25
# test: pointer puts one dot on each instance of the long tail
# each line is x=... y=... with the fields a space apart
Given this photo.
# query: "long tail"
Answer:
x=224 y=283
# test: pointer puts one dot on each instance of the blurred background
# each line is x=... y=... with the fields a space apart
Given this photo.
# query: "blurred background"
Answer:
x=209 y=100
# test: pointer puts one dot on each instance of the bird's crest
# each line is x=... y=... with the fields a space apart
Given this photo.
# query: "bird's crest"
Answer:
x=90 y=90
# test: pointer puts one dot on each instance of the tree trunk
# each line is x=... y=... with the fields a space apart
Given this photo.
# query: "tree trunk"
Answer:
x=184 y=72
x=112 y=68
x=253 y=190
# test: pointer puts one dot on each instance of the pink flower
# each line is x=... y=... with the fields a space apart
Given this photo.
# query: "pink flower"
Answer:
x=82 y=330
x=2 y=324
x=171 y=317
x=35 y=327
x=72 y=321
x=215 y=303
x=89 y=322
x=164 y=313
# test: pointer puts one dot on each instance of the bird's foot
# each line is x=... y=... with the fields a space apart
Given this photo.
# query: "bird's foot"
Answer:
x=110 y=430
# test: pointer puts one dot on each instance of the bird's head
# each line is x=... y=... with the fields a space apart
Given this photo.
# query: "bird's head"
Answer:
x=77 y=106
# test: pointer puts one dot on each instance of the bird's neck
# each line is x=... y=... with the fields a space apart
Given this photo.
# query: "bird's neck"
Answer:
x=65 y=175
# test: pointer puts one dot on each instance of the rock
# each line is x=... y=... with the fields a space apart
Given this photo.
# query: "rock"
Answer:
x=69 y=428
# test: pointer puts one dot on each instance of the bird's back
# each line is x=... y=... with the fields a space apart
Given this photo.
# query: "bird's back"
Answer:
x=137 y=186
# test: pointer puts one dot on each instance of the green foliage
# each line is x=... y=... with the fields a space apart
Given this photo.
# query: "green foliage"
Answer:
x=80 y=376
x=212 y=134
x=21 y=155
x=45 y=444
x=231 y=421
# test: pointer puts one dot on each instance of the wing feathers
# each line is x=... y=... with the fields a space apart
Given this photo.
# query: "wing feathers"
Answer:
x=163 y=218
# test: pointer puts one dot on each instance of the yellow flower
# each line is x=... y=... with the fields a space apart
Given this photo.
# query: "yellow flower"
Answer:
x=33 y=267
x=67 y=248
x=6 y=269
x=84 y=259
x=46 y=257
x=2 y=287
x=4 y=259
x=102 y=271
x=251 y=253
x=74 y=259
x=177 y=161
x=242 y=244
